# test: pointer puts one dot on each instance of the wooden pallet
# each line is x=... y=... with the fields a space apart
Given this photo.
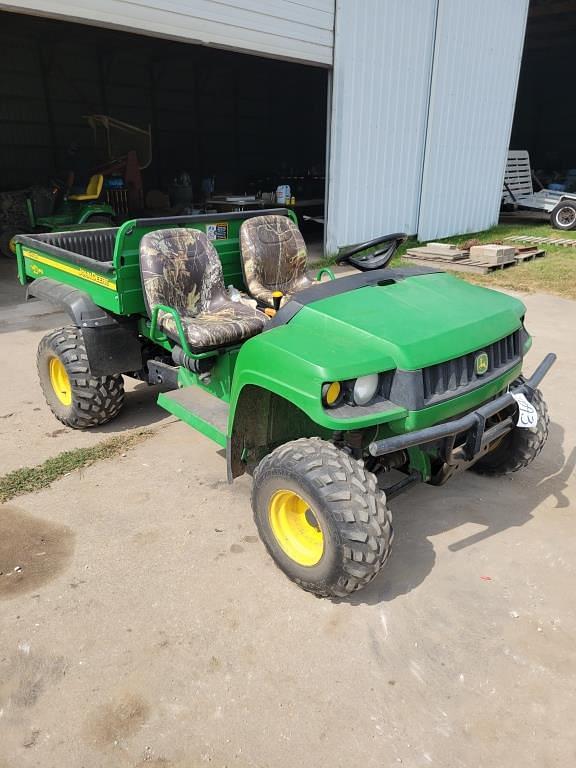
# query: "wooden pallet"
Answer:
x=565 y=242
x=528 y=254
x=453 y=259
x=465 y=265
x=444 y=251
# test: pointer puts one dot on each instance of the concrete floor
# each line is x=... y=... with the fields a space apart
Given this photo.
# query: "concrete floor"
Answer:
x=148 y=626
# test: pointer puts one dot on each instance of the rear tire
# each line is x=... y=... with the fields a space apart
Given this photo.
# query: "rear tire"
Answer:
x=346 y=527
x=76 y=397
x=7 y=248
x=519 y=447
x=564 y=215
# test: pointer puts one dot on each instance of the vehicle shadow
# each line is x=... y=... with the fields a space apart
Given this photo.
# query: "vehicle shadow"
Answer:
x=496 y=504
x=18 y=314
x=139 y=410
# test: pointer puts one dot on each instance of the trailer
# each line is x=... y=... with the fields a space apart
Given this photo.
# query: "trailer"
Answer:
x=519 y=192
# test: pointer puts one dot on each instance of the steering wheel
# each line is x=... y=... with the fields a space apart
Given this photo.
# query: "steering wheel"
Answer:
x=58 y=188
x=379 y=259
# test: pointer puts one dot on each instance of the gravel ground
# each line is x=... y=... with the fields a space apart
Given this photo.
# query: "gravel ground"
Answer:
x=145 y=624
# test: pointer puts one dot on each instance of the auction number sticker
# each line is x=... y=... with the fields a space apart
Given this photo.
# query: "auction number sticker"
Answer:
x=527 y=414
x=217 y=231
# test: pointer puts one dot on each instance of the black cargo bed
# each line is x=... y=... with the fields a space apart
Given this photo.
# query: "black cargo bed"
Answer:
x=90 y=248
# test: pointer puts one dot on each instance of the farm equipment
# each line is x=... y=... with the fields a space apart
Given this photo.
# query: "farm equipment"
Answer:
x=519 y=192
x=123 y=151
x=57 y=211
x=74 y=211
x=113 y=191
x=318 y=387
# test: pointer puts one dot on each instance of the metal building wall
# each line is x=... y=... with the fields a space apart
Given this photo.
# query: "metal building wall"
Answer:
x=381 y=85
x=302 y=31
x=477 y=59
x=423 y=100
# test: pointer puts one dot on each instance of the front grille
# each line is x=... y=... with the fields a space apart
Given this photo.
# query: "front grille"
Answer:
x=446 y=379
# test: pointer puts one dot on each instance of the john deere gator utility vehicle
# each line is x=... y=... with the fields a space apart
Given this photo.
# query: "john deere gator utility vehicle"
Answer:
x=317 y=387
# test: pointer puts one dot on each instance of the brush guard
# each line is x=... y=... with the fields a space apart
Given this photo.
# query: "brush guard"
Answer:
x=475 y=437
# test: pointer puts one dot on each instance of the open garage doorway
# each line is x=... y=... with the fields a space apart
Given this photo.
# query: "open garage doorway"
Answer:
x=545 y=116
x=221 y=124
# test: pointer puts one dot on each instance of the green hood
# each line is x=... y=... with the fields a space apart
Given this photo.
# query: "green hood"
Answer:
x=416 y=322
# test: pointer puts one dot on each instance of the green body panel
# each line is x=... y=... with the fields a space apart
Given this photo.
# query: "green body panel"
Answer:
x=193 y=420
x=413 y=323
x=218 y=385
x=396 y=420
x=76 y=219
x=96 y=209
x=220 y=381
x=420 y=462
x=102 y=288
x=72 y=214
x=420 y=321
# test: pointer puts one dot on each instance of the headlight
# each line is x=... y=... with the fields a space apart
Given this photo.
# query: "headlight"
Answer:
x=365 y=388
x=331 y=393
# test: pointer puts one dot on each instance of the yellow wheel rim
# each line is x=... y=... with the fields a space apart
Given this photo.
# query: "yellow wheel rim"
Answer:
x=296 y=528
x=60 y=381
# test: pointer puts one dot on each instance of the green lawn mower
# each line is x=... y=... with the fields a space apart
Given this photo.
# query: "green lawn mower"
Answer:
x=57 y=211
x=317 y=387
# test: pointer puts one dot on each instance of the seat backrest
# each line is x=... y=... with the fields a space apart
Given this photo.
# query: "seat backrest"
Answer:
x=94 y=187
x=518 y=176
x=180 y=268
x=273 y=255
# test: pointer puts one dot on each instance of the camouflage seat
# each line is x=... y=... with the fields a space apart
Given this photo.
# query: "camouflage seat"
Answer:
x=273 y=257
x=181 y=269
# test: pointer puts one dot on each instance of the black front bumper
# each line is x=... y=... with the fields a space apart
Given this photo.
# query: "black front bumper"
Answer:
x=472 y=426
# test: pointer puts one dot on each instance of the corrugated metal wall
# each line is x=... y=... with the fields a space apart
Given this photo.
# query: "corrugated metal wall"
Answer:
x=475 y=76
x=423 y=101
x=301 y=30
x=381 y=84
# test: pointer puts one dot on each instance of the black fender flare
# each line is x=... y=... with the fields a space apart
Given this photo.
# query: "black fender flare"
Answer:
x=82 y=310
x=112 y=343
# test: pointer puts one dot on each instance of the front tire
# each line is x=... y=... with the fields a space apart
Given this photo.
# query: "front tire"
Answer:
x=564 y=215
x=519 y=447
x=76 y=397
x=322 y=517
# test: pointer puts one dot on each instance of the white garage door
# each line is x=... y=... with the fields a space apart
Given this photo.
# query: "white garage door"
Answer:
x=382 y=69
x=475 y=75
x=423 y=100
x=300 y=30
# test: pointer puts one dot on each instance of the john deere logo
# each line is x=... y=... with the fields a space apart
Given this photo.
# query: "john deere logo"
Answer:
x=481 y=363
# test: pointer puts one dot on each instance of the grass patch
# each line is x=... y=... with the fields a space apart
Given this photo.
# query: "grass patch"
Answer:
x=31 y=479
x=555 y=273
x=327 y=260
